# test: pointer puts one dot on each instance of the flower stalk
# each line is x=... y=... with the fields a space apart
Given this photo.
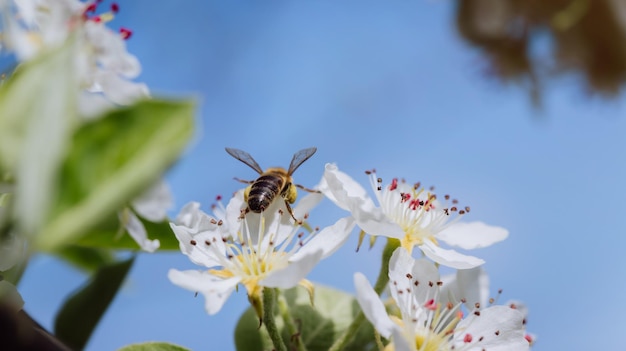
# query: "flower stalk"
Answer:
x=381 y=283
x=269 y=298
x=294 y=331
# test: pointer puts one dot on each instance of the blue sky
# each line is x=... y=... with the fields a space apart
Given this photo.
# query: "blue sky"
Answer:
x=390 y=87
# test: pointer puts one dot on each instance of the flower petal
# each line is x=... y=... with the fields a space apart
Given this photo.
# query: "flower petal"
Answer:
x=473 y=285
x=291 y=275
x=194 y=245
x=372 y=306
x=472 y=235
x=400 y=342
x=416 y=276
x=137 y=231
x=306 y=204
x=497 y=328
x=215 y=290
x=449 y=258
x=349 y=195
x=329 y=239
x=154 y=202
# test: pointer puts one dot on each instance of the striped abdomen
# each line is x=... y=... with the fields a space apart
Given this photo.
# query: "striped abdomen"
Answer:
x=263 y=191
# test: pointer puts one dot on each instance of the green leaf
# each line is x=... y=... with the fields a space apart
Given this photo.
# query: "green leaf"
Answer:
x=319 y=325
x=81 y=313
x=88 y=259
x=37 y=117
x=153 y=346
x=107 y=235
x=111 y=161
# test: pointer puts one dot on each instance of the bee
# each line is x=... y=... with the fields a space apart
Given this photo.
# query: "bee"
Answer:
x=275 y=181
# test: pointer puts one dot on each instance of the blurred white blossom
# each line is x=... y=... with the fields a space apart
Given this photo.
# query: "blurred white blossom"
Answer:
x=102 y=64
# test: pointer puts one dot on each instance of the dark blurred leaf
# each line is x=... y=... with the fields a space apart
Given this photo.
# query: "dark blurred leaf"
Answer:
x=153 y=346
x=81 y=313
x=111 y=161
x=88 y=259
x=319 y=326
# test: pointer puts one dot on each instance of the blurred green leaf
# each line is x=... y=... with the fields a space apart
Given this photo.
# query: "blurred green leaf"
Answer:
x=80 y=314
x=112 y=160
x=153 y=346
x=107 y=235
x=38 y=106
x=320 y=325
x=88 y=259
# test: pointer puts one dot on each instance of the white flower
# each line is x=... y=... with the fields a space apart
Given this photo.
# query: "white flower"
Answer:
x=151 y=205
x=412 y=214
x=261 y=250
x=425 y=323
x=101 y=60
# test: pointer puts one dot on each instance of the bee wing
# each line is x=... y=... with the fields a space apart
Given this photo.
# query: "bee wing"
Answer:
x=299 y=158
x=245 y=158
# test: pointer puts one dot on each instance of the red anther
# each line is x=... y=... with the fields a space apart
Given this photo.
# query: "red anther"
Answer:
x=91 y=8
x=414 y=204
x=528 y=338
x=115 y=8
x=126 y=33
x=467 y=338
x=430 y=305
x=218 y=198
x=394 y=184
x=96 y=19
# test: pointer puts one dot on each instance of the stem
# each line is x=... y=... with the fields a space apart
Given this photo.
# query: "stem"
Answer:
x=269 y=321
x=379 y=287
x=289 y=323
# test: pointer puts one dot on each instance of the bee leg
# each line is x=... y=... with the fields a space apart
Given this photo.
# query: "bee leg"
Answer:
x=307 y=189
x=244 y=181
x=291 y=212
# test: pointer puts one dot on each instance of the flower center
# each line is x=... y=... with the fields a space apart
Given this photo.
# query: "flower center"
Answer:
x=419 y=212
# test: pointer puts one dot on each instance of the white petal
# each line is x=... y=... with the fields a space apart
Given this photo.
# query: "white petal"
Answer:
x=505 y=320
x=329 y=239
x=472 y=235
x=291 y=275
x=215 y=290
x=306 y=204
x=119 y=90
x=372 y=306
x=154 y=202
x=473 y=285
x=349 y=195
x=449 y=258
x=137 y=231
x=400 y=342
x=200 y=253
x=417 y=276
x=341 y=189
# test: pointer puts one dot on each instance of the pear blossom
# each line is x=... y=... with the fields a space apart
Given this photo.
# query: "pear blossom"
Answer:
x=102 y=63
x=256 y=250
x=415 y=216
x=425 y=324
x=151 y=205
